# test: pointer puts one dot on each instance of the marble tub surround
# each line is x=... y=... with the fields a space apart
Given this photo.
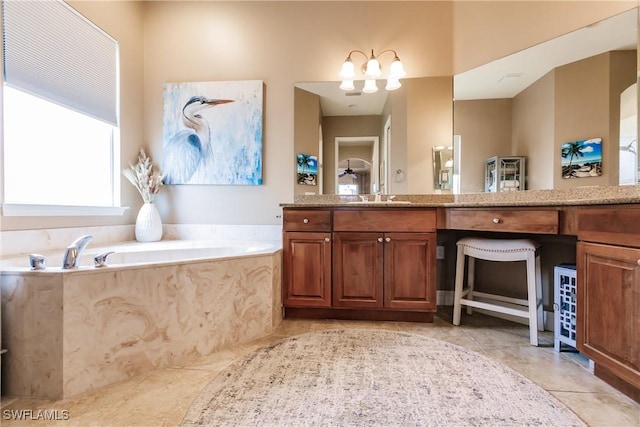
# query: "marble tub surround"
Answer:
x=260 y=233
x=565 y=197
x=70 y=333
x=123 y=255
x=47 y=240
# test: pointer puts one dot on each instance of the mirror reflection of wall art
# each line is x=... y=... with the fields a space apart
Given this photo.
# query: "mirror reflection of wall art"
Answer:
x=307 y=167
x=212 y=133
x=582 y=159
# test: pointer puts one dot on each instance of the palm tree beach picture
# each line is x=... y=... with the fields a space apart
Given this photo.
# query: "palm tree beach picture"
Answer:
x=582 y=159
x=307 y=169
x=212 y=133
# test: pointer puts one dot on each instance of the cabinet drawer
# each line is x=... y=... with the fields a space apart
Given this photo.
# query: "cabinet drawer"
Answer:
x=307 y=220
x=393 y=219
x=505 y=220
x=616 y=225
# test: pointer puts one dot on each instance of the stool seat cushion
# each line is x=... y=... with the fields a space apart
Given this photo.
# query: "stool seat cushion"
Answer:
x=499 y=245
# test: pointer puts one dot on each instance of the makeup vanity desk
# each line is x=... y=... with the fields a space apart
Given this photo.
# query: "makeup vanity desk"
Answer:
x=377 y=261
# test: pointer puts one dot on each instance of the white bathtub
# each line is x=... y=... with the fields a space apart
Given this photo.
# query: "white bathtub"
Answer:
x=136 y=253
x=154 y=305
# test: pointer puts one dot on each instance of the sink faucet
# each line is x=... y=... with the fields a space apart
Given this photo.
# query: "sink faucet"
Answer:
x=378 y=197
x=72 y=254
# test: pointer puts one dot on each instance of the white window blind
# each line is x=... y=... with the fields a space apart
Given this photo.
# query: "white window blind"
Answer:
x=52 y=51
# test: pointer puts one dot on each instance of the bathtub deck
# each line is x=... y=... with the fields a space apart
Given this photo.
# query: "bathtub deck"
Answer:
x=69 y=332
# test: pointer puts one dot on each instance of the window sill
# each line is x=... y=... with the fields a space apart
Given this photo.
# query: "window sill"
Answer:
x=16 y=209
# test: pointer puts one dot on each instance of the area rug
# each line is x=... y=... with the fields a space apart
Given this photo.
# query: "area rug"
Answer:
x=364 y=377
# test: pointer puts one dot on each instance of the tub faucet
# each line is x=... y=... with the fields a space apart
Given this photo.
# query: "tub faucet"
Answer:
x=72 y=254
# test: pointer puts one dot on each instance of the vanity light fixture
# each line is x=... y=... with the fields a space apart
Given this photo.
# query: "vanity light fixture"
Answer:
x=371 y=70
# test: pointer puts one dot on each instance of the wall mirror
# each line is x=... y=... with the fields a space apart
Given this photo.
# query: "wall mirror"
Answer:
x=442 y=167
x=397 y=127
x=575 y=87
x=410 y=168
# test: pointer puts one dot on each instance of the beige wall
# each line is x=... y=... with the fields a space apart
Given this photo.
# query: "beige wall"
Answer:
x=488 y=30
x=306 y=130
x=343 y=126
x=282 y=43
x=429 y=123
x=485 y=130
x=533 y=131
x=587 y=105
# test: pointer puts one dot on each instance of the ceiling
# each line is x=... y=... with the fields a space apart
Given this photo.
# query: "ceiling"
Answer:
x=336 y=102
x=503 y=78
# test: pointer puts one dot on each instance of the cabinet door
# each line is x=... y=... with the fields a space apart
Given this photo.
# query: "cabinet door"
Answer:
x=357 y=270
x=609 y=308
x=306 y=269
x=410 y=271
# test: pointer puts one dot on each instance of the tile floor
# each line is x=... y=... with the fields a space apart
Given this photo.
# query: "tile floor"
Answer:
x=161 y=397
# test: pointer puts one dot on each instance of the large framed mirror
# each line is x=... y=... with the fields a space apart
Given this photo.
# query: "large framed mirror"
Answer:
x=504 y=108
x=562 y=91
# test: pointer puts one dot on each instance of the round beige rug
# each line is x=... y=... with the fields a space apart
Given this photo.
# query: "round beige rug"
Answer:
x=367 y=377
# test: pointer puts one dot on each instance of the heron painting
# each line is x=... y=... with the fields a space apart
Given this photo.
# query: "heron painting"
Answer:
x=212 y=133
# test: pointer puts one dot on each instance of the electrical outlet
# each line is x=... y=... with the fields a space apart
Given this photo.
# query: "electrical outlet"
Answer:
x=439 y=252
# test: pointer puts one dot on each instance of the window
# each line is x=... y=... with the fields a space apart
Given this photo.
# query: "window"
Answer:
x=60 y=94
x=348 y=189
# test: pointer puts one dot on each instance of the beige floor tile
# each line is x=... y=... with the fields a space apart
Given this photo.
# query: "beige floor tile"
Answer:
x=602 y=410
x=162 y=397
x=549 y=369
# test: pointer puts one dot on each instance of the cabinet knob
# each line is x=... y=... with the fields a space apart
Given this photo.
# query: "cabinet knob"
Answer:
x=387 y=239
x=327 y=240
x=306 y=221
x=496 y=220
x=380 y=239
x=639 y=262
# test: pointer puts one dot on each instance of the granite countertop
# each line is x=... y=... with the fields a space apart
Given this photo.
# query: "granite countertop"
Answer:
x=566 y=197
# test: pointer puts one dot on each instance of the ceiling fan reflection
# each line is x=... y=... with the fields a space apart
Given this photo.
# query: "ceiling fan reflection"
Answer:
x=348 y=171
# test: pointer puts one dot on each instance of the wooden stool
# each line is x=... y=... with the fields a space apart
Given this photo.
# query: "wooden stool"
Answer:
x=500 y=250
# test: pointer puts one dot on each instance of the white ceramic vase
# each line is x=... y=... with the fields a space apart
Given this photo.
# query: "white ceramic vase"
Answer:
x=148 y=224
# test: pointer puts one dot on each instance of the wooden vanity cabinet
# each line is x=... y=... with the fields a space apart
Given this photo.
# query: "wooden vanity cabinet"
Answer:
x=306 y=272
x=384 y=259
x=384 y=270
x=360 y=263
x=608 y=289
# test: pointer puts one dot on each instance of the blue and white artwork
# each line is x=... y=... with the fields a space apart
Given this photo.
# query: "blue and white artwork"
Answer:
x=212 y=133
x=582 y=159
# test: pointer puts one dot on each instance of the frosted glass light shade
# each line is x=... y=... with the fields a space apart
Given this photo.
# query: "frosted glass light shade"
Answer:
x=370 y=86
x=393 y=84
x=348 y=71
x=347 y=85
x=373 y=69
x=397 y=69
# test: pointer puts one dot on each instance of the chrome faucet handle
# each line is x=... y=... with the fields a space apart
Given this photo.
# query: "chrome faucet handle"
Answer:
x=37 y=262
x=70 y=259
x=101 y=260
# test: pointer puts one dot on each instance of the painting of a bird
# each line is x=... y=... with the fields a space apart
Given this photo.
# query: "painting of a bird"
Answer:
x=191 y=147
x=212 y=133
